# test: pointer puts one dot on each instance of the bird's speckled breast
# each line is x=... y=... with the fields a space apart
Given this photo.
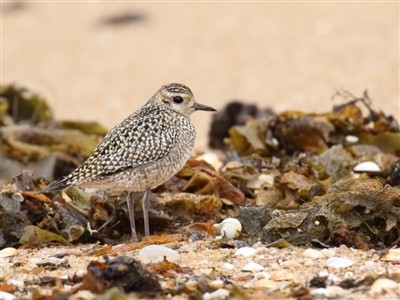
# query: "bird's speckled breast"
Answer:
x=156 y=173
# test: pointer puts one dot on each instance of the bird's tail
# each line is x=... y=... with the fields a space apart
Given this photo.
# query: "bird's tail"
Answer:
x=56 y=186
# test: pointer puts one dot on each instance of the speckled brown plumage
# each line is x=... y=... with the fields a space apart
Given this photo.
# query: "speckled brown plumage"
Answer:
x=145 y=149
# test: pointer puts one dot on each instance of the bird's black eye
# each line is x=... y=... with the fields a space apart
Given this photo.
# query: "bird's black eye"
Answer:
x=178 y=99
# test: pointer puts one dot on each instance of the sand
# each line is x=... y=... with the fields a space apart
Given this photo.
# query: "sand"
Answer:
x=282 y=55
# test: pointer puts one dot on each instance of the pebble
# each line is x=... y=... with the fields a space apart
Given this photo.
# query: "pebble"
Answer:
x=252 y=267
x=16 y=283
x=266 y=283
x=156 y=253
x=168 y=284
x=262 y=275
x=331 y=277
x=391 y=255
x=291 y=264
x=382 y=285
x=8 y=252
x=367 y=166
x=218 y=294
x=329 y=292
x=228 y=266
x=245 y=251
x=261 y=250
x=352 y=139
x=192 y=285
x=339 y=262
x=51 y=261
x=312 y=253
x=216 y=284
x=7 y=296
x=282 y=275
x=329 y=252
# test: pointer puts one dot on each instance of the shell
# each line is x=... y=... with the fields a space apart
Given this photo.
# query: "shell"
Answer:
x=230 y=228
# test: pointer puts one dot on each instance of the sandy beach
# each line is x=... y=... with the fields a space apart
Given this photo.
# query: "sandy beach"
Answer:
x=102 y=60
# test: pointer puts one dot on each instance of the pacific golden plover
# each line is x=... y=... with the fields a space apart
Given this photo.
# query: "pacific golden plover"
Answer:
x=143 y=151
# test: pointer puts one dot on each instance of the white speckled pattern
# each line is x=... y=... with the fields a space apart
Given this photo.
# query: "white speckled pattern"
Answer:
x=145 y=149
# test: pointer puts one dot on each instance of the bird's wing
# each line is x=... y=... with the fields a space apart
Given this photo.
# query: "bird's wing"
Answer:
x=135 y=141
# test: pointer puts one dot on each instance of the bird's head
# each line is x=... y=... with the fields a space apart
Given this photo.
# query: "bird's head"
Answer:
x=180 y=99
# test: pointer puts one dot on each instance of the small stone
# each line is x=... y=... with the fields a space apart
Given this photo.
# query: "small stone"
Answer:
x=156 y=253
x=329 y=292
x=391 y=255
x=16 y=283
x=218 y=294
x=228 y=266
x=261 y=250
x=208 y=271
x=262 y=275
x=282 y=275
x=245 y=251
x=8 y=252
x=252 y=267
x=7 y=296
x=80 y=273
x=329 y=252
x=266 y=283
x=51 y=261
x=339 y=262
x=331 y=277
x=382 y=285
x=367 y=166
x=312 y=253
x=169 y=284
x=352 y=139
x=192 y=285
x=216 y=284
x=291 y=264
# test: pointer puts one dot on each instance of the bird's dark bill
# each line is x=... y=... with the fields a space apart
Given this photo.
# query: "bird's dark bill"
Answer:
x=198 y=106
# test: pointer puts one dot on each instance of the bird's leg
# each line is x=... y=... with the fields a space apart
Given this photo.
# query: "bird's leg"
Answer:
x=146 y=205
x=131 y=209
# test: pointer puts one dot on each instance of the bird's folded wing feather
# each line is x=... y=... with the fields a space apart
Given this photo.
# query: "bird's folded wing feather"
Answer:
x=130 y=144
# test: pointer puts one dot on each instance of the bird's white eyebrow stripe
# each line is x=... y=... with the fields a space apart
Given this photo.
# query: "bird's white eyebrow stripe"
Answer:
x=177 y=88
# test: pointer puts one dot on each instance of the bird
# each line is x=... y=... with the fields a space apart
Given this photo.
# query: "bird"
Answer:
x=141 y=152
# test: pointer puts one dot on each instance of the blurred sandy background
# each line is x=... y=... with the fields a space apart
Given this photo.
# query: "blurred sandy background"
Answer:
x=283 y=55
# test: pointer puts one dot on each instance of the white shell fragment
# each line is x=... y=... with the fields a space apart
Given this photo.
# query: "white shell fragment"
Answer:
x=265 y=283
x=7 y=296
x=156 y=253
x=252 y=267
x=228 y=266
x=230 y=228
x=382 y=285
x=216 y=284
x=329 y=292
x=392 y=255
x=281 y=275
x=50 y=261
x=8 y=252
x=339 y=262
x=218 y=294
x=262 y=275
x=314 y=254
x=352 y=139
x=245 y=251
x=367 y=166
x=262 y=179
x=329 y=252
